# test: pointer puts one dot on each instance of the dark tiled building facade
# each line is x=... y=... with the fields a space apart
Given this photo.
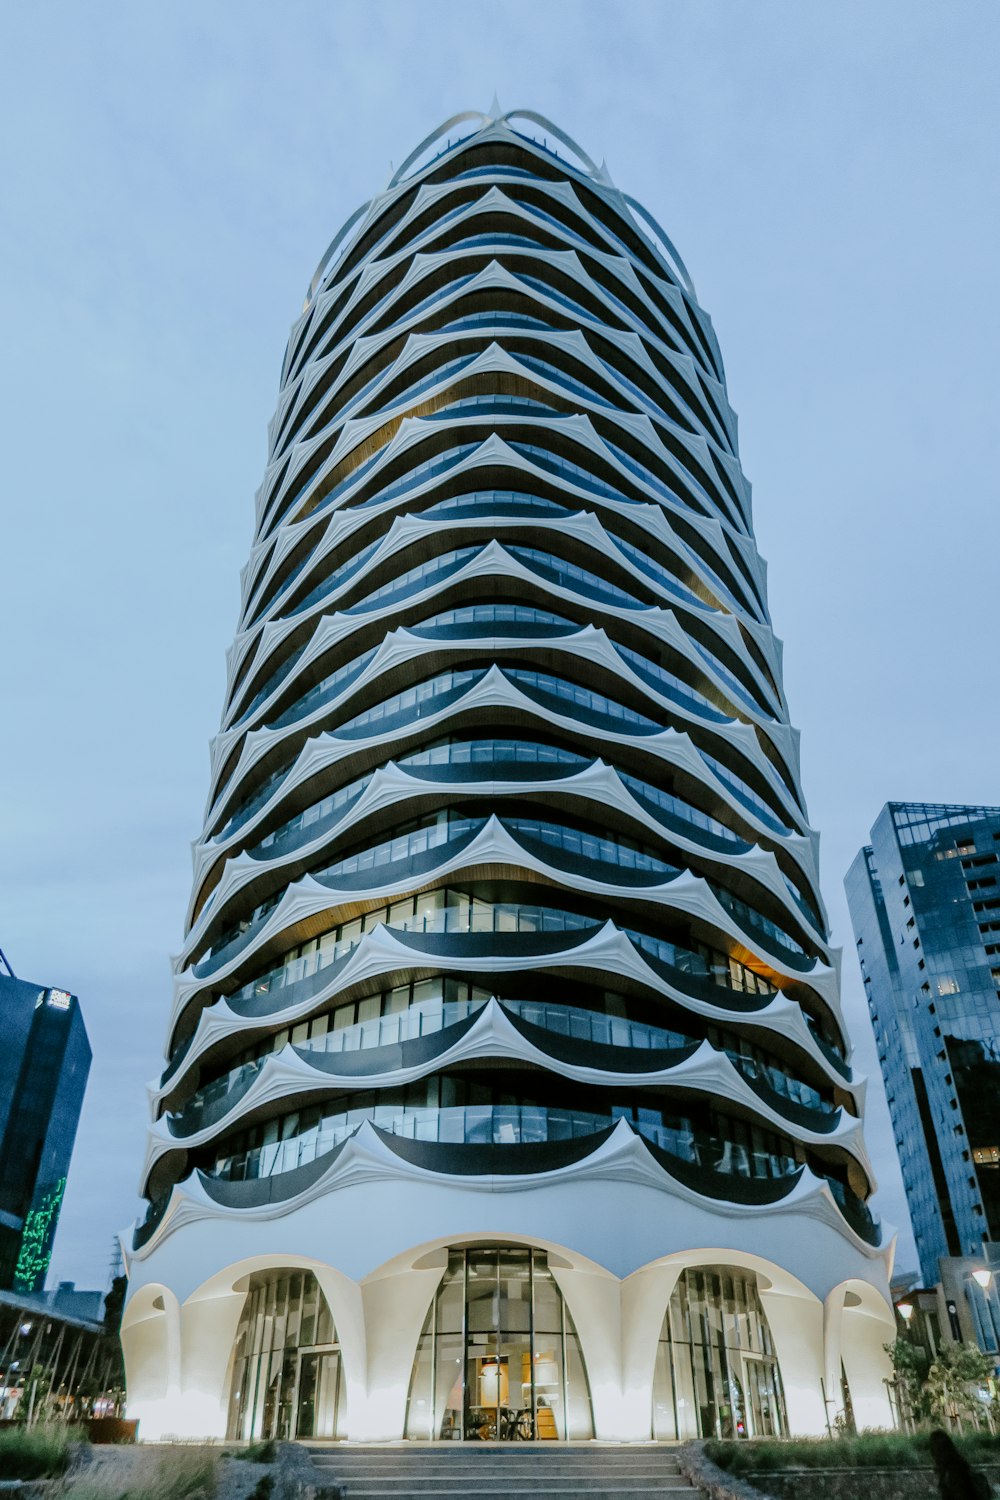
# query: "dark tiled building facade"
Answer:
x=44 y=1063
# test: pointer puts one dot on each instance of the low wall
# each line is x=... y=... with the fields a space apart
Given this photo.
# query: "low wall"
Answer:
x=815 y=1484
x=857 y=1484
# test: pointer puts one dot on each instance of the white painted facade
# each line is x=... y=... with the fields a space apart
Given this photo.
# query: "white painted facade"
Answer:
x=505 y=926
x=826 y=1301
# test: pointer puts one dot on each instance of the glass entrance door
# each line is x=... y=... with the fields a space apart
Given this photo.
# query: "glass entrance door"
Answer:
x=286 y=1377
x=716 y=1372
x=499 y=1358
x=318 y=1394
x=765 y=1404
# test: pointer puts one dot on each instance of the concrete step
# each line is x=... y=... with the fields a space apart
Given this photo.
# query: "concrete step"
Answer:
x=617 y=1489
x=420 y=1481
x=509 y=1471
x=358 y=1490
x=482 y=1471
x=505 y=1475
x=495 y=1452
x=506 y=1465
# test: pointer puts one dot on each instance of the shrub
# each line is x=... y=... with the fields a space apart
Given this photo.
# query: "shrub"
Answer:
x=256 y=1453
x=872 y=1450
x=41 y=1452
x=181 y=1474
x=184 y=1474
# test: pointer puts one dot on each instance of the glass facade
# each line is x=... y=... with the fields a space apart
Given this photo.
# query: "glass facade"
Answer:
x=499 y=1357
x=288 y=1380
x=716 y=1373
x=925 y=905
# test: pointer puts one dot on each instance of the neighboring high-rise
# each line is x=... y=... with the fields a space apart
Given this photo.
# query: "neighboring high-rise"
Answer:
x=44 y=1063
x=507 y=1090
x=925 y=904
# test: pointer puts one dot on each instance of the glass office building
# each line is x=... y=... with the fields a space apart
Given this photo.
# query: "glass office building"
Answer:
x=44 y=1063
x=925 y=904
x=506 y=1006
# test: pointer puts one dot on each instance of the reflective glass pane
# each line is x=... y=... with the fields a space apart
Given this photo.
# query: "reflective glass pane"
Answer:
x=715 y=1359
x=420 y=1400
x=579 y=1419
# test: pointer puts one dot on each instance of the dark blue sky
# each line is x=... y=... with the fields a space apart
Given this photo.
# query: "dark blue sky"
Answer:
x=169 y=176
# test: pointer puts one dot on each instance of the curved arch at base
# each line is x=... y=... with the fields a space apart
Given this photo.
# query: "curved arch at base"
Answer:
x=399 y=1293
x=151 y=1344
x=209 y=1320
x=858 y=1323
x=794 y=1315
x=179 y=1357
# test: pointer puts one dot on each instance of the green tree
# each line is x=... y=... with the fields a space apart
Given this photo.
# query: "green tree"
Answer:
x=36 y=1390
x=954 y=1383
x=910 y=1363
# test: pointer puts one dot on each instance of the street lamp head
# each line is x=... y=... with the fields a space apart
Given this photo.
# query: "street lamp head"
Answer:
x=982 y=1278
x=905 y=1310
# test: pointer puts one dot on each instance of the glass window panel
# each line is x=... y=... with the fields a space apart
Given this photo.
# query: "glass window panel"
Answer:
x=451 y=1303
x=664 y=1415
x=515 y=1290
x=280 y=1313
x=547 y=1299
x=579 y=1419
x=283 y=1412
x=482 y=1291
x=420 y=1400
x=324 y=1322
x=486 y=1385
x=310 y=1294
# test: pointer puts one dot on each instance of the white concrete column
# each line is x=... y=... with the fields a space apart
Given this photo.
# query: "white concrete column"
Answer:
x=151 y=1343
x=344 y=1300
x=395 y=1308
x=593 y=1300
x=866 y=1326
x=796 y=1323
x=208 y=1333
x=645 y=1296
x=833 y=1310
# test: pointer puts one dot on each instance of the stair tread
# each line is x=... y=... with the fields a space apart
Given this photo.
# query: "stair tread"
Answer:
x=356 y=1491
x=397 y=1471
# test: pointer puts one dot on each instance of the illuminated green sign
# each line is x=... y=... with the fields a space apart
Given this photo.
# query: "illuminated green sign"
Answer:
x=36 y=1240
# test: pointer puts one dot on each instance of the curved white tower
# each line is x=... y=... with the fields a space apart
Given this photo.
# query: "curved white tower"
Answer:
x=507 y=1089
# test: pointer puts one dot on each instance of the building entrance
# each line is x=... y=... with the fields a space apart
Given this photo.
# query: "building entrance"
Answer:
x=317 y=1403
x=287 y=1369
x=716 y=1373
x=499 y=1357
